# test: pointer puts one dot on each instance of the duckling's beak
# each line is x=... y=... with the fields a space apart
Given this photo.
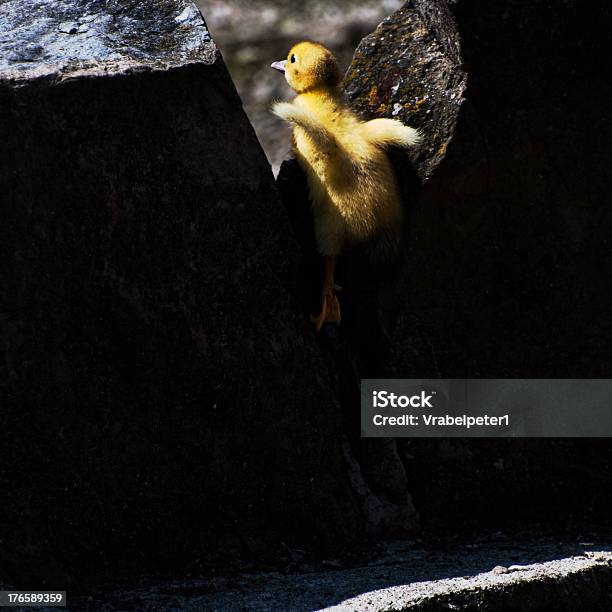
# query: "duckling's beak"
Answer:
x=280 y=66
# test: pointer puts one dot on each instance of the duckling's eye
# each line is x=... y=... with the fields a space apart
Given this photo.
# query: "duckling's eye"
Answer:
x=292 y=58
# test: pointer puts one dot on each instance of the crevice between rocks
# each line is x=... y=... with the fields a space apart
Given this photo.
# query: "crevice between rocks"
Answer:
x=419 y=80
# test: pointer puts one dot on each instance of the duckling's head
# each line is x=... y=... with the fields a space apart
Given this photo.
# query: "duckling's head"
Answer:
x=308 y=66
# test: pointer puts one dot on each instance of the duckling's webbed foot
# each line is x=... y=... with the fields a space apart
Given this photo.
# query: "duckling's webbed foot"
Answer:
x=330 y=307
x=330 y=311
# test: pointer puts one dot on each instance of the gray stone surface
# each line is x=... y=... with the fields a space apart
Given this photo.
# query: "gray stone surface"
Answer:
x=163 y=403
x=93 y=37
x=562 y=585
x=536 y=575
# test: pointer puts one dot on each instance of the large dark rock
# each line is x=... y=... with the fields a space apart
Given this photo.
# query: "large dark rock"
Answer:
x=162 y=400
x=507 y=263
x=505 y=250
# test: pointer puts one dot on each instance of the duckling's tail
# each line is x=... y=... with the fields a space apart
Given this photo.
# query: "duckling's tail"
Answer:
x=391 y=133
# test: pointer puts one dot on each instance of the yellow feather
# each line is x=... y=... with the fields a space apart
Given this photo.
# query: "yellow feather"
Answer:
x=390 y=132
x=351 y=181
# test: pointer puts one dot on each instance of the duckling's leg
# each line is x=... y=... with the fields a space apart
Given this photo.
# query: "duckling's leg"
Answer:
x=330 y=307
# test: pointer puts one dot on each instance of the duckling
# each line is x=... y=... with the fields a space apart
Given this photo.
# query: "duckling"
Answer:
x=353 y=189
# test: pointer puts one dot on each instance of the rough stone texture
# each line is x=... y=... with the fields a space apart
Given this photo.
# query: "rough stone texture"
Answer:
x=533 y=574
x=421 y=81
x=162 y=404
x=562 y=585
x=506 y=271
x=94 y=37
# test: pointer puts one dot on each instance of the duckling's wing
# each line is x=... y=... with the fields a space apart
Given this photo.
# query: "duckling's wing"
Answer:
x=390 y=132
x=308 y=121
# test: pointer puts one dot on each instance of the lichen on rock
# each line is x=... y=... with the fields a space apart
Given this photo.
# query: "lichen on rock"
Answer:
x=410 y=69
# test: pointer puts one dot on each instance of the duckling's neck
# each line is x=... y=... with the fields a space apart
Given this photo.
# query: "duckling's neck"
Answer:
x=321 y=94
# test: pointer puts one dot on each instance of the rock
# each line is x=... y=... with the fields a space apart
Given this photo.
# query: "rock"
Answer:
x=422 y=84
x=507 y=252
x=163 y=401
x=401 y=578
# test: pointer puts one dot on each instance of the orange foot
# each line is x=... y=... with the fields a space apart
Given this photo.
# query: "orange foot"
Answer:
x=330 y=309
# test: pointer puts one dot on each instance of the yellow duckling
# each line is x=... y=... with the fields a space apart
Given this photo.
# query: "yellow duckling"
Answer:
x=352 y=185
